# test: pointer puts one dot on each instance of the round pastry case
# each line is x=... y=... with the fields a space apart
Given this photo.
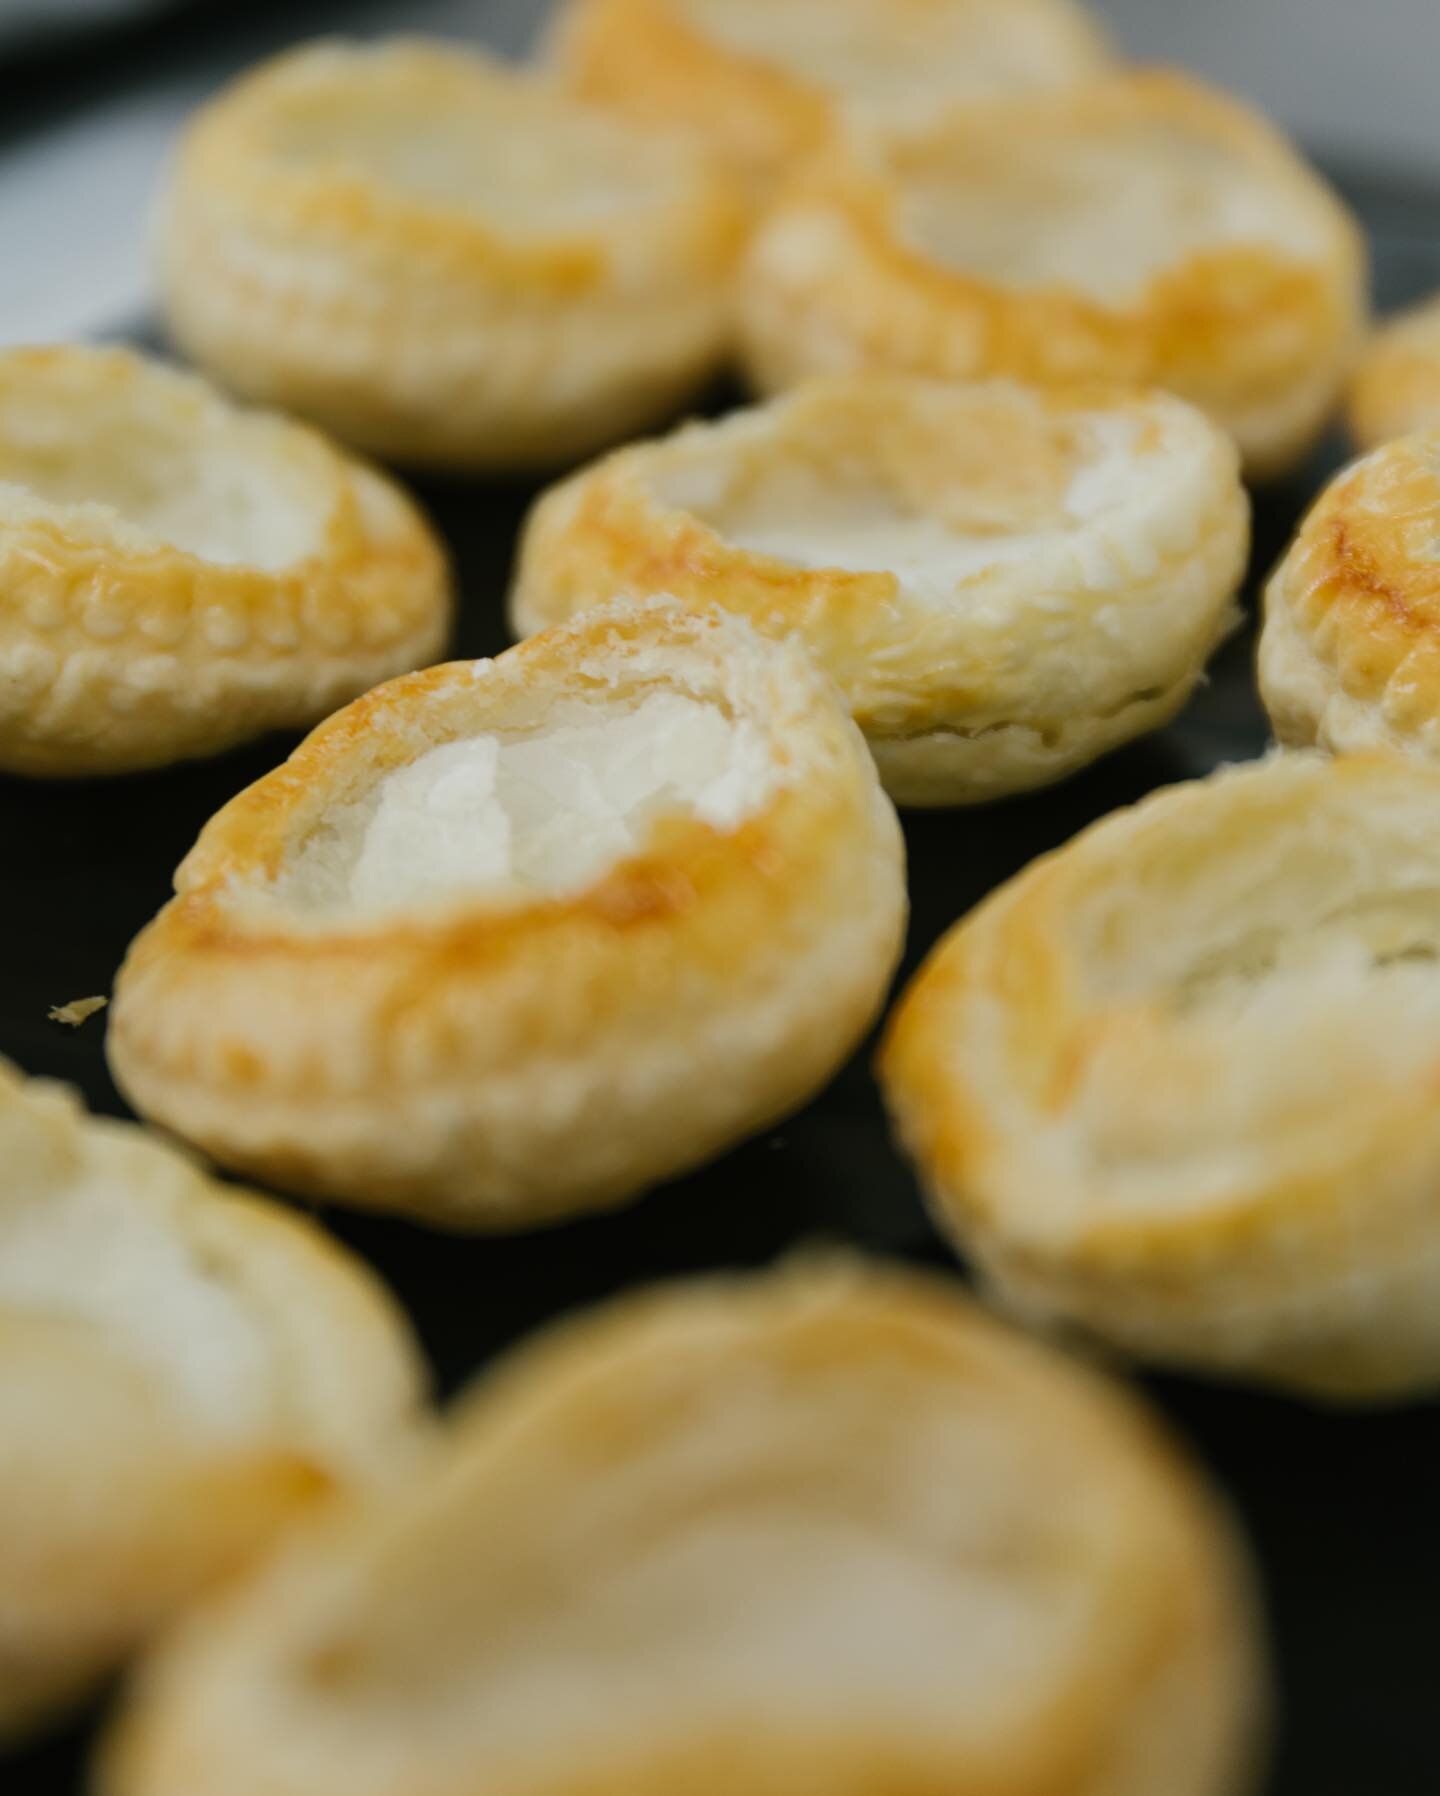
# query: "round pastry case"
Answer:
x=1340 y=1506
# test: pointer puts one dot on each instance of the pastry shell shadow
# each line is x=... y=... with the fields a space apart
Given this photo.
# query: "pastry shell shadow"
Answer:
x=183 y=1371
x=1143 y=229
x=1003 y=581
x=443 y=260
x=177 y=575
x=519 y=1054
x=778 y=1535
x=1174 y=1085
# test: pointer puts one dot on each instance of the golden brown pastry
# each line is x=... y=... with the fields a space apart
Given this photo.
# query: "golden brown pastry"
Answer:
x=1175 y=1084
x=831 y=1529
x=766 y=80
x=1349 y=656
x=1396 y=387
x=509 y=940
x=1003 y=581
x=1141 y=229
x=183 y=1369
x=177 y=575
x=443 y=260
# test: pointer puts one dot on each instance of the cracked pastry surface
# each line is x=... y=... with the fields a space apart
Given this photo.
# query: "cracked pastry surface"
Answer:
x=177 y=575
x=1395 y=390
x=1141 y=229
x=183 y=1370
x=508 y=940
x=1174 y=1085
x=766 y=80
x=443 y=260
x=777 y=1534
x=1349 y=655
x=1003 y=581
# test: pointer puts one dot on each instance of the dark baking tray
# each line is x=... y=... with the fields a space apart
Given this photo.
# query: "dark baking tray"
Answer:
x=1343 y=1509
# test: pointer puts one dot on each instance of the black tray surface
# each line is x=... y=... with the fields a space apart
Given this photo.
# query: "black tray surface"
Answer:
x=1342 y=1508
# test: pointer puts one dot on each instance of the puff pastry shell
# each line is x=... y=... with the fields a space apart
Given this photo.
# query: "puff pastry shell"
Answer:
x=1142 y=229
x=182 y=1370
x=766 y=80
x=440 y=259
x=1396 y=387
x=789 y=1534
x=497 y=1055
x=1175 y=1084
x=177 y=575
x=1349 y=655
x=1004 y=582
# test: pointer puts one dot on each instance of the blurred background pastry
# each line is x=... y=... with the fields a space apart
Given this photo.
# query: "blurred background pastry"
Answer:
x=830 y=1528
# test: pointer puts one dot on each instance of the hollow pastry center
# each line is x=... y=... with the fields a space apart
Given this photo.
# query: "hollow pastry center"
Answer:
x=148 y=466
x=518 y=161
x=1100 y=217
x=899 y=60
x=1315 y=1007
x=548 y=811
x=83 y=1252
x=740 y=1550
x=932 y=520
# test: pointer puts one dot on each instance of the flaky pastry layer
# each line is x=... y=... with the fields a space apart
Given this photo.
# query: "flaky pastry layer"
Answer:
x=1003 y=581
x=766 y=81
x=515 y=1055
x=183 y=1369
x=1174 y=1084
x=1349 y=656
x=177 y=575
x=443 y=260
x=827 y=1529
x=1143 y=229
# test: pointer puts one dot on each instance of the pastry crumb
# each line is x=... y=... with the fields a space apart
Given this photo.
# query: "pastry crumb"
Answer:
x=76 y=1011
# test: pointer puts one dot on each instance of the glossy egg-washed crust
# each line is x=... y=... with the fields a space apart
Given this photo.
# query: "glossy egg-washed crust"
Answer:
x=1259 y=339
x=1349 y=655
x=1032 y=668
x=1197 y=1204
x=648 y=60
x=1396 y=385
x=417 y=329
x=117 y=1506
x=123 y=651
x=500 y=1064
x=665 y=1416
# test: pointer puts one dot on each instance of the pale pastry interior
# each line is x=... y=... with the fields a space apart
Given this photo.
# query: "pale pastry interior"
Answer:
x=1328 y=974
x=890 y=63
x=1102 y=215
x=527 y=165
x=519 y=816
x=932 y=510
x=100 y=459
